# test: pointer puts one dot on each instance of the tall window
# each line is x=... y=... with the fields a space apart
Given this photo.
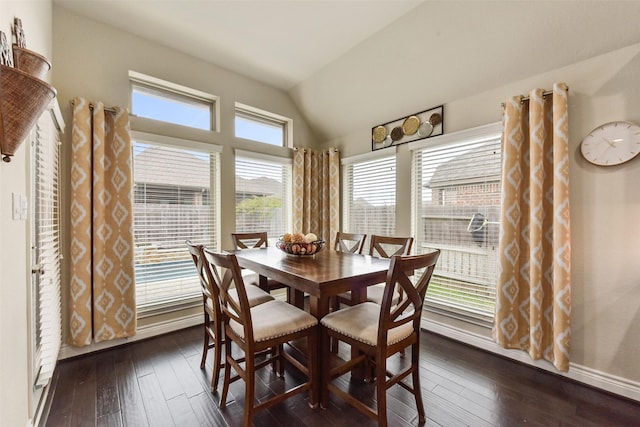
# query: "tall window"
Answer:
x=369 y=193
x=45 y=247
x=263 y=194
x=456 y=184
x=161 y=100
x=263 y=126
x=175 y=199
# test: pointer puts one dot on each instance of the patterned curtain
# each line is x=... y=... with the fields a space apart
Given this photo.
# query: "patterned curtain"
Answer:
x=316 y=192
x=102 y=294
x=534 y=286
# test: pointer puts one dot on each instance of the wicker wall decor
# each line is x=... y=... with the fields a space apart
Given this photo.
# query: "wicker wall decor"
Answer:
x=23 y=95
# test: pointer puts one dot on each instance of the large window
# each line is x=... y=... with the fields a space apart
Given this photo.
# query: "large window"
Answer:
x=157 y=99
x=262 y=126
x=175 y=199
x=456 y=184
x=263 y=194
x=369 y=195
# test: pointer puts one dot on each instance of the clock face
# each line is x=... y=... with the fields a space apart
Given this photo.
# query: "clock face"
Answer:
x=612 y=143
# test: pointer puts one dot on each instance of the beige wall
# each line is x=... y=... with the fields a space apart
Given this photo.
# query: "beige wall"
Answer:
x=605 y=206
x=15 y=393
x=92 y=60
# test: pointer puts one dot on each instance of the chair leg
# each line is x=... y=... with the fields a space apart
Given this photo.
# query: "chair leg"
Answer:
x=381 y=391
x=217 y=360
x=203 y=361
x=249 y=389
x=227 y=374
x=417 y=391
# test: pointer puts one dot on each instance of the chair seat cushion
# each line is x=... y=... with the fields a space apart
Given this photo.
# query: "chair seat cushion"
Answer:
x=255 y=295
x=375 y=293
x=360 y=322
x=274 y=319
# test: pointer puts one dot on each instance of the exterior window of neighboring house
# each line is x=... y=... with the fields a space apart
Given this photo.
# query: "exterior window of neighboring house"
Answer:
x=158 y=99
x=456 y=186
x=369 y=194
x=175 y=199
x=263 y=194
x=263 y=126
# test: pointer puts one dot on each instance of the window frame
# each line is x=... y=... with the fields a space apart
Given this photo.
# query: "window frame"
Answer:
x=185 y=144
x=347 y=185
x=288 y=196
x=265 y=117
x=174 y=91
x=487 y=133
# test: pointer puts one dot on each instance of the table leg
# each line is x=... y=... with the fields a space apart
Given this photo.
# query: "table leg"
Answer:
x=318 y=307
x=297 y=298
x=358 y=296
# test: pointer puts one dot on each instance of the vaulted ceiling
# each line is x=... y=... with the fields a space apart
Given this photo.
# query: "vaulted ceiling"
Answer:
x=350 y=64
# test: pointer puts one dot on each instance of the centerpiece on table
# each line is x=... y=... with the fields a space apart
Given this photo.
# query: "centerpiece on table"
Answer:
x=300 y=244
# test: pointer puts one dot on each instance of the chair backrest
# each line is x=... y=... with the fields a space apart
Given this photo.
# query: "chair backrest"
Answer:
x=250 y=240
x=225 y=275
x=350 y=242
x=388 y=246
x=409 y=308
x=209 y=292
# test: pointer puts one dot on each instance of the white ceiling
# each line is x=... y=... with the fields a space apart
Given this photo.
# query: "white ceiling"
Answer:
x=339 y=58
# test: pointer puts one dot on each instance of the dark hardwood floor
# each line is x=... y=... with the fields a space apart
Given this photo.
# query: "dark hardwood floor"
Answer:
x=158 y=382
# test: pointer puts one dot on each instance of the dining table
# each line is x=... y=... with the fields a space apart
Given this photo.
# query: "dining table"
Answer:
x=320 y=276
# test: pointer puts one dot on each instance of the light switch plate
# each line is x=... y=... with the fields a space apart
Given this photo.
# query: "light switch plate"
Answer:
x=16 y=206
x=24 y=207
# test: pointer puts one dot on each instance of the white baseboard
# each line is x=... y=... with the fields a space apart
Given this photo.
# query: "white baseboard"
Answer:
x=67 y=351
x=601 y=380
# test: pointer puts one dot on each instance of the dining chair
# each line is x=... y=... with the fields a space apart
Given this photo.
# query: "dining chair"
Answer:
x=350 y=242
x=381 y=247
x=386 y=247
x=380 y=331
x=258 y=240
x=258 y=329
x=346 y=242
x=213 y=335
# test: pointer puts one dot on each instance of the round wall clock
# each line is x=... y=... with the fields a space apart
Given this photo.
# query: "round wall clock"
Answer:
x=611 y=143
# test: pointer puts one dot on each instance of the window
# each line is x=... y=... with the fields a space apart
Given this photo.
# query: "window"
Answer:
x=456 y=185
x=262 y=126
x=168 y=102
x=263 y=194
x=175 y=199
x=369 y=194
x=45 y=245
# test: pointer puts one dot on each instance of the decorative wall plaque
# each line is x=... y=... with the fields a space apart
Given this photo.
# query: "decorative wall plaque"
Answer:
x=424 y=124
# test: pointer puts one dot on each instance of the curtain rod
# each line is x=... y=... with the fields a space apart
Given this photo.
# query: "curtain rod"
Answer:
x=106 y=109
x=335 y=150
x=544 y=94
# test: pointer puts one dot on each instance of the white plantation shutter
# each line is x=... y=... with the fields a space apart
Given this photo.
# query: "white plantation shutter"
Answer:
x=369 y=192
x=175 y=199
x=263 y=194
x=46 y=248
x=456 y=184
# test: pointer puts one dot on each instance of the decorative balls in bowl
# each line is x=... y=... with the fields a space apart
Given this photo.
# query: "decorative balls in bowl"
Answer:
x=300 y=244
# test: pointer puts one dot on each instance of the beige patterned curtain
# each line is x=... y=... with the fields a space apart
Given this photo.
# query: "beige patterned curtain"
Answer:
x=102 y=294
x=534 y=286
x=316 y=192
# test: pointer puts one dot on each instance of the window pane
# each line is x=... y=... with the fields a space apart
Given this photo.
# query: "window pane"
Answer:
x=170 y=107
x=457 y=211
x=370 y=197
x=172 y=203
x=262 y=197
x=258 y=130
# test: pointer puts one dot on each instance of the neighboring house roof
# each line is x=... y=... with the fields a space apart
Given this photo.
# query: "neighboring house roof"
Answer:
x=465 y=169
x=181 y=170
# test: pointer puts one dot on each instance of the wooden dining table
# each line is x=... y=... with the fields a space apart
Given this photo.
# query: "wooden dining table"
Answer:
x=320 y=276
